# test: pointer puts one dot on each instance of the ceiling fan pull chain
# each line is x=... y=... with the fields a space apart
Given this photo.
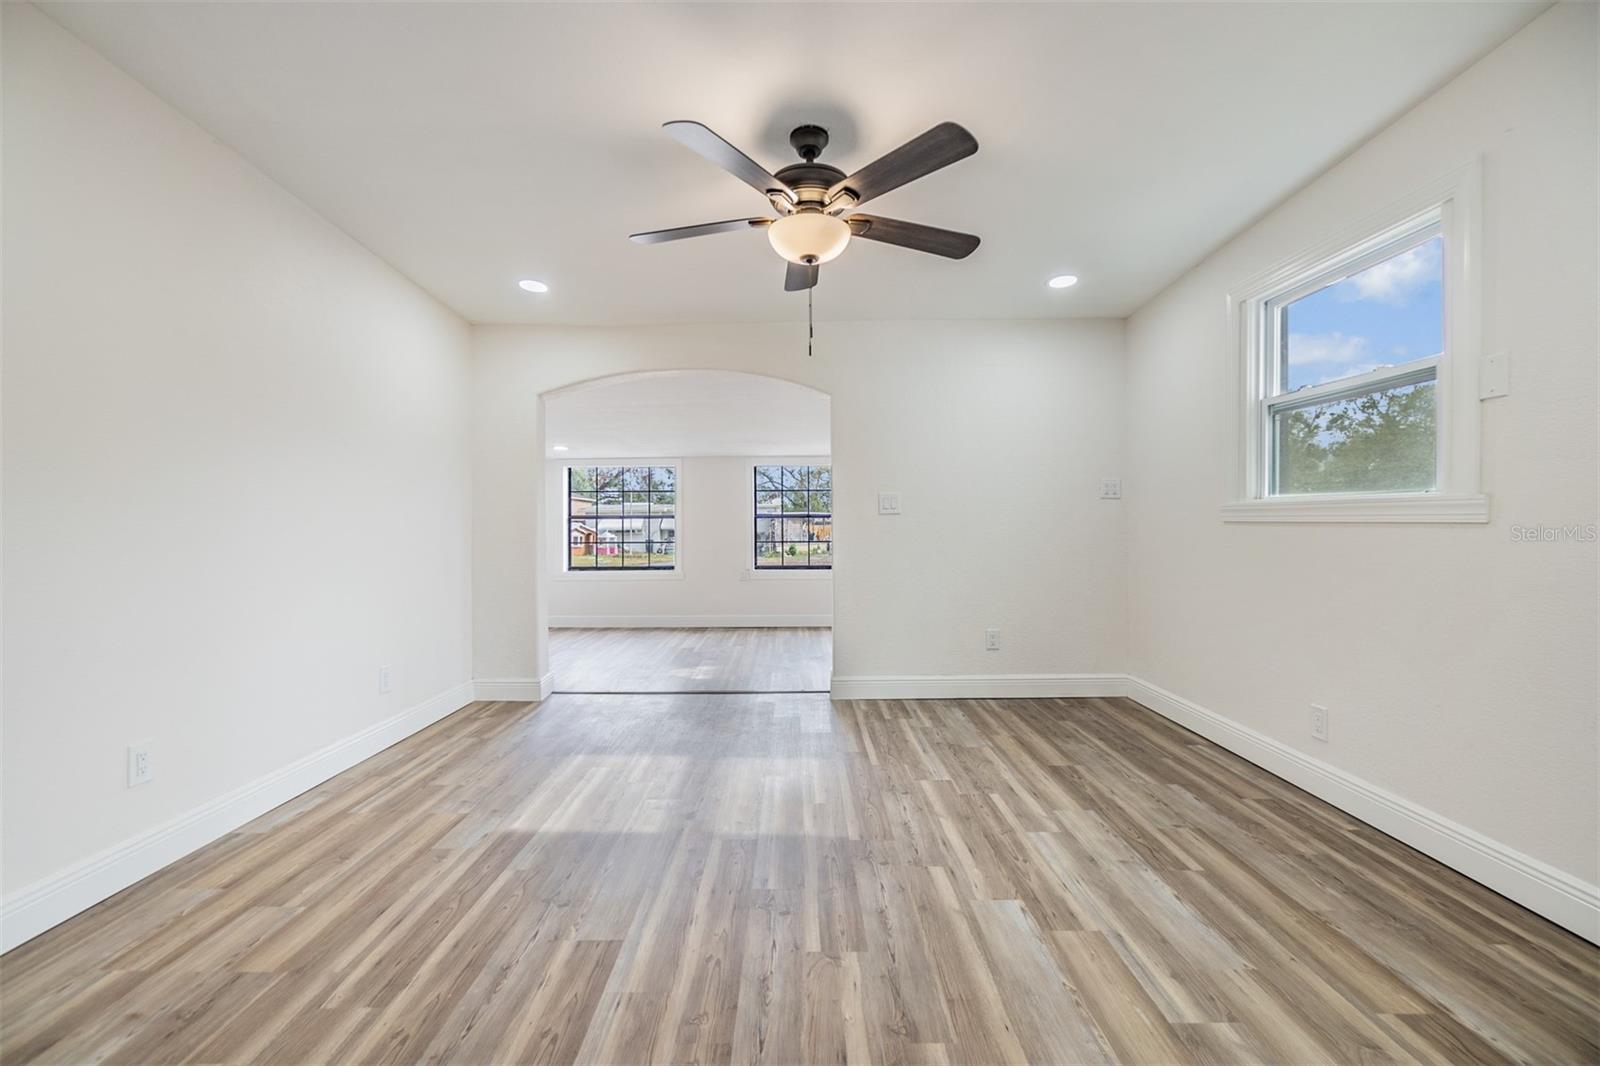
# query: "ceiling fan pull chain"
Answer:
x=811 y=325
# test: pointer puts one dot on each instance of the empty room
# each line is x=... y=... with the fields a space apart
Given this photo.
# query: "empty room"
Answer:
x=693 y=513
x=897 y=533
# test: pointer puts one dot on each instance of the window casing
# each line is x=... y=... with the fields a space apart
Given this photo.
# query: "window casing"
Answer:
x=1340 y=420
x=621 y=518
x=793 y=517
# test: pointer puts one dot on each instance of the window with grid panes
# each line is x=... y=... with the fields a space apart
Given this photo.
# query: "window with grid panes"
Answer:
x=793 y=517
x=622 y=518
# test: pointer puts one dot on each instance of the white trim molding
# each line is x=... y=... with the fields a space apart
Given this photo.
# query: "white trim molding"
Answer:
x=1407 y=507
x=1566 y=900
x=797 y=573
x=976 y=686
x=690 y=621
x=32 y=910
x=514 y=689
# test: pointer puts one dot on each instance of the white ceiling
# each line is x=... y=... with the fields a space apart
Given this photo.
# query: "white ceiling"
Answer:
x=681 y=413
x=472 y=145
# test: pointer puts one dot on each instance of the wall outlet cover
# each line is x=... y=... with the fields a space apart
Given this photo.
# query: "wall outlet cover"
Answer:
x=888 y=503
x=1111 y=488
x=1319 y=722
x=140 y=768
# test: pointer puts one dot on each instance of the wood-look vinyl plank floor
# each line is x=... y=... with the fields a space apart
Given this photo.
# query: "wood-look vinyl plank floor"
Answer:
x=777 y=878
x=775 y=659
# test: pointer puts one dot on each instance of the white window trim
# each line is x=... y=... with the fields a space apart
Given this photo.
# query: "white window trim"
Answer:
x=563 y=573
x=798 y=573
x=1403 y=507
x=1455 y=200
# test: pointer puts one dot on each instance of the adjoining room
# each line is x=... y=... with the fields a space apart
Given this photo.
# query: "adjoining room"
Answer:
x=856 y=533
x=696 y=509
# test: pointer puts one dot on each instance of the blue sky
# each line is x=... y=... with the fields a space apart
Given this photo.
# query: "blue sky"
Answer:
x=1390 y=313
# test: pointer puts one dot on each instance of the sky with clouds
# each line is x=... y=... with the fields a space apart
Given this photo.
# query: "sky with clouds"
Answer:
x=1390 y=313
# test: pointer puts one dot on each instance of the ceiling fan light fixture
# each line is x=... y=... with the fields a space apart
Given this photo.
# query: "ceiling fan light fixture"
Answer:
x=810 y=198
x=809 y=237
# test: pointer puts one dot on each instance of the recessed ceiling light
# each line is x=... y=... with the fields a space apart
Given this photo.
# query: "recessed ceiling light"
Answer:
x=558 y=447
x=529 y=285
x=1063 y=281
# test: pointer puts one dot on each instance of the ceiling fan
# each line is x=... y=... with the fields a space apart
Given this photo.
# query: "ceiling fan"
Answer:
x=815 y=204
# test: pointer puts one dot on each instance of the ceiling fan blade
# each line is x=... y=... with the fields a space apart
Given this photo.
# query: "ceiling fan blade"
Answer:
x=946 y=143
x=656 y=236
x=800 y=277
x=945 y=242
x=703 y=140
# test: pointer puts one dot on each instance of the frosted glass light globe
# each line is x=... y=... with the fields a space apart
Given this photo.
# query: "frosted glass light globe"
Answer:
x=809 y=237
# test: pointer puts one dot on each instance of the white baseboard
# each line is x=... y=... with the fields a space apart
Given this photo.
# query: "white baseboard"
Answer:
x=1564 y=899
x=32 y=910
x=690 y=621
x=515 y=689
x=975 y=686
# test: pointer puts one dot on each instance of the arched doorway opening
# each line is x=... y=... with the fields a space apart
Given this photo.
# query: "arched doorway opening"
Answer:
x=687 y=521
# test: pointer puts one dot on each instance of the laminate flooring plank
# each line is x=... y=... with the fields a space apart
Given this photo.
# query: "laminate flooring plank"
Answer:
x=772 y=877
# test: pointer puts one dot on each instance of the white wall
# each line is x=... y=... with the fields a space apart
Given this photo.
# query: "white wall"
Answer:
x=976 y=424
x=714 y=583
x=1458 y=664
x=235 y=465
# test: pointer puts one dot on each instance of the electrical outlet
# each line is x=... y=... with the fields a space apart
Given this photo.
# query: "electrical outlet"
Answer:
x=385 y=680
x=888 y=503
x=1111 y=488
x=139 y=768
x=1319 y=722
x=991 y=638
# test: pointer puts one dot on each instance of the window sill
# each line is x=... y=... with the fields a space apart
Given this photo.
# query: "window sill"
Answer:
x=778 y=574
x=1393 y=508
x=619 y=574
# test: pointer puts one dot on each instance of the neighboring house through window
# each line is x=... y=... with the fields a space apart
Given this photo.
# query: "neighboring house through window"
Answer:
x=622 y=518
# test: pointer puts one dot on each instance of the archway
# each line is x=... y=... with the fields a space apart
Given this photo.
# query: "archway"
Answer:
x=686 y=533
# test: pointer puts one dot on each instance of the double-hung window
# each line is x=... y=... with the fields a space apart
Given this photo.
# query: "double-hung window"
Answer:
x=793 y=518
x=622 y=518
x=1361 y=373
x=1351 y=375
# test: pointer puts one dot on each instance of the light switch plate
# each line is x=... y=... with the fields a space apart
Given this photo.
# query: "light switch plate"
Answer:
x=1494 y=377
x=888 y=503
